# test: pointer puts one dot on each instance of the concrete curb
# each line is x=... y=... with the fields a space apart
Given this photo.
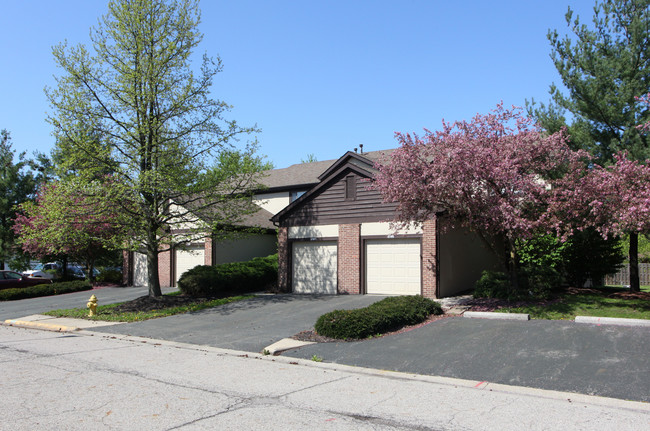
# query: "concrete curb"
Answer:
x=285 y=344
x=39 y=325
x=612 y=321
x=58 y=324
x=494 y=315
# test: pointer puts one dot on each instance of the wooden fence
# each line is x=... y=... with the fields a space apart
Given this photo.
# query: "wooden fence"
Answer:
x=623 y=276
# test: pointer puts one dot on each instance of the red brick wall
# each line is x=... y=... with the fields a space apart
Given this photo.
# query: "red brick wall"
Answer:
x=429 y=259
x=284 y=260
x=208 y=251
x=349 y=259
x=165 y=268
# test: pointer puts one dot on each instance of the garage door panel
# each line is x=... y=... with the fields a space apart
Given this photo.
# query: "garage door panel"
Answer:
x=314 y=268
x=140 y=270
x=187 y=258
x=393 y=266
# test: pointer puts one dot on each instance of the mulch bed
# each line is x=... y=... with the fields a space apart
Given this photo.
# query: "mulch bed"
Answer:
x=148 y=303
x=492 y=304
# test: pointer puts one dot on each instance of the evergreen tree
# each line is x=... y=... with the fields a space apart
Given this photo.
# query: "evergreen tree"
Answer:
x=605 y=67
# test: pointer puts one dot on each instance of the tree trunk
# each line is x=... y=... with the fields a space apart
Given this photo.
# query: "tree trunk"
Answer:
x=511 y=255
x=635 y=285
x=153 y=281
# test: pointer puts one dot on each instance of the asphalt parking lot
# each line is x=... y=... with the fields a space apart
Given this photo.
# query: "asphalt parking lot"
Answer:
x=602 y=360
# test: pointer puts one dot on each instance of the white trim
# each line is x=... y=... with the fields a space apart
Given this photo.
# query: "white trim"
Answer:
x=322 y=231
x=385 y=229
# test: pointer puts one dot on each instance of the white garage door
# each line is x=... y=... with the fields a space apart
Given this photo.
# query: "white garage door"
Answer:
x=314 y=267
x=393 y=266
x=140 y=271
x=187 y=258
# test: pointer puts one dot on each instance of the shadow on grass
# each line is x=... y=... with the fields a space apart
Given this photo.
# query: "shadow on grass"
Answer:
x=572 y=305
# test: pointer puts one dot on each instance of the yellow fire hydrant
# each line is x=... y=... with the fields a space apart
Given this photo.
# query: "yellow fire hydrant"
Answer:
x=92 y=306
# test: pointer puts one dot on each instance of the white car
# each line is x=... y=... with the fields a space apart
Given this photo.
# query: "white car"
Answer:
x=40 y=271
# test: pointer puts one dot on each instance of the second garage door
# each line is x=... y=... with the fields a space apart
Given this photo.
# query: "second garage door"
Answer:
x=314 y=267
x=393 y=266
x=140 y=270
x=187 y=258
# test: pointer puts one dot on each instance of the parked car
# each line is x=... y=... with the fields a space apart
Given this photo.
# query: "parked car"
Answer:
x=47 y=271
x=11 y=279
x=76 y=272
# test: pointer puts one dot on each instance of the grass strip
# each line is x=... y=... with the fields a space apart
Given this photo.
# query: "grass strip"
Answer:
x=108 y=313
x=571 y=306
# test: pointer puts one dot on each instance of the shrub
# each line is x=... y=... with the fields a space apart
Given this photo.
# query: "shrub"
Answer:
x=109 y=276
x=538 y=282
x=386 y=315
x=227 y=278
x=535 y=282
x=492 y=284
x=44 y=290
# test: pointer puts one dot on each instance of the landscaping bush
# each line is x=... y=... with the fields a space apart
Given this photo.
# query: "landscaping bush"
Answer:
x=492 y=284
x=538 y=282
x=44 y=290
x=384 y=316
x=239 y=277
x=109 y=276
x=535 y=282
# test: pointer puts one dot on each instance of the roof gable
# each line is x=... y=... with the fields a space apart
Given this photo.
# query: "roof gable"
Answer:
x=349 y=163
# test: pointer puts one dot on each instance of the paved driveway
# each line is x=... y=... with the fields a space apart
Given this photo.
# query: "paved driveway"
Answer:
x=249 y=325
x=600 y=360
x=107 y=295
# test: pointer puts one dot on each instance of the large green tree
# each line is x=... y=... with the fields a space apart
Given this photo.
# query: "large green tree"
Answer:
x=17 y=185
x=134 y=106
x=604 y=68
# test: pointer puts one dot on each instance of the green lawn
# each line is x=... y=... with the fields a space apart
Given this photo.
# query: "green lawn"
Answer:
x=108 y=313
x=597 y=305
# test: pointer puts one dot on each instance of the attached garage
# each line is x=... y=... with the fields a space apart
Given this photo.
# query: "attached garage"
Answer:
x=140 y=271
x=187 y=258
x=314 y=267
x=393 y=266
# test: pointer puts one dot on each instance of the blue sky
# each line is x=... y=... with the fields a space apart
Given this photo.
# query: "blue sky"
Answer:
x=318 y=77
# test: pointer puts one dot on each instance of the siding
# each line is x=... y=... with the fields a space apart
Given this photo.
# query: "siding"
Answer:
x=330 y=206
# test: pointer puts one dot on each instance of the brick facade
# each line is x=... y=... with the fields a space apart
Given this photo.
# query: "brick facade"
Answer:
x=284 y=260
x=429 y=259
x=165 y=269
x=208 y=251
x=349 y=259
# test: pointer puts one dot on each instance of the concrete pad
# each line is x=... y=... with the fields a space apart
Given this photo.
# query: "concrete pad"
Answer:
x=493 y=315
x=285 y=344
x=58 y=324
x=457 y=310
x=612 y=321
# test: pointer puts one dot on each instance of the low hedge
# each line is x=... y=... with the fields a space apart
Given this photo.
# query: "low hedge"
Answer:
x=44 y=290
x=239 y=277
x=109 y=276
x=386 y=315
x=535 y=282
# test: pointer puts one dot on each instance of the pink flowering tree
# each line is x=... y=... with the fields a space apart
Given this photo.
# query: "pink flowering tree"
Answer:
x=63 y=221
x=488 y=174
x=615 y=200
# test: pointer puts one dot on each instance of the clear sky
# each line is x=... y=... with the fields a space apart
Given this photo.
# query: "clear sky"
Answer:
x=318 y=77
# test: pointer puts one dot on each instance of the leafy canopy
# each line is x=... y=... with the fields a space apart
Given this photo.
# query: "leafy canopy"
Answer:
x=133 y=107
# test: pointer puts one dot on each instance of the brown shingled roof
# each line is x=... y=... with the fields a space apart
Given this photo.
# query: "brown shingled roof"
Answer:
x=306 y=174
